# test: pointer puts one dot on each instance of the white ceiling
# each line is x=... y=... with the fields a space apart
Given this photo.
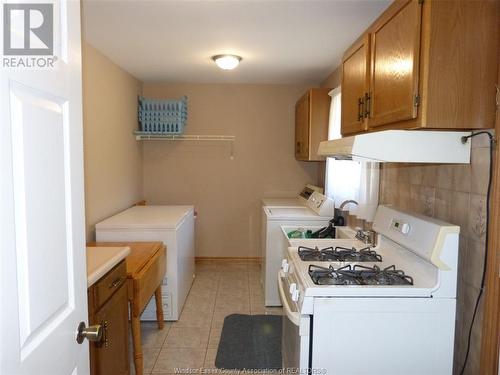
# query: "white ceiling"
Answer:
x=280 y=41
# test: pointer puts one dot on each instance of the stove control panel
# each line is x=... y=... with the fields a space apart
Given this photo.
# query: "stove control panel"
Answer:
x=400 y=226
x=431 y=239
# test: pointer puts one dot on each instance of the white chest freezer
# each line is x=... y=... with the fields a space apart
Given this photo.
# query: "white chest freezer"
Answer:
x=172 y=225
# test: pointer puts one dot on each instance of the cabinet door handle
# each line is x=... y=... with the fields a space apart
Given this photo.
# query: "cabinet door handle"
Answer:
x=297 y=149
x=367 y=105
x=360 y=109
x=115 y=283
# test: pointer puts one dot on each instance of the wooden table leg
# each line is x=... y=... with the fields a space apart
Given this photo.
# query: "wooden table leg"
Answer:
x=159 y=307
x=136 y=338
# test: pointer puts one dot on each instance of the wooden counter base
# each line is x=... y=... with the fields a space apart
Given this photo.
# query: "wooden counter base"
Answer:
x=146 y=266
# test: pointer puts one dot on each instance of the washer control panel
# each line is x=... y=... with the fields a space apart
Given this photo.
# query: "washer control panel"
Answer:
x=321 y=204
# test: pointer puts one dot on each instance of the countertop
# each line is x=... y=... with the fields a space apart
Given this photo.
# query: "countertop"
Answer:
x=102 y=259
x=140 y=253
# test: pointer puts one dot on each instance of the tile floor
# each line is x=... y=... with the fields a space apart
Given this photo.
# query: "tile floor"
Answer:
x=220 y=289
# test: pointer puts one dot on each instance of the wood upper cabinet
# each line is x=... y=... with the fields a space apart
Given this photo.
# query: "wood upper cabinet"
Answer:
x=311 y=123
x=355 y=85
x=108 y=306
x=432 y=65
x=302 y=128
x=395 y=46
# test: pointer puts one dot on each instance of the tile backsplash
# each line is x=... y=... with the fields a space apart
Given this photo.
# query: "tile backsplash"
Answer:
x=456 y=194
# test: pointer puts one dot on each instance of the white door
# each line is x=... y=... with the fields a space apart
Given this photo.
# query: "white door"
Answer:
x=43 y=268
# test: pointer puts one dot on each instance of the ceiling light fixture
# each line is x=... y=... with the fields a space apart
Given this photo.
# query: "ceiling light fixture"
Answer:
x=227 y=62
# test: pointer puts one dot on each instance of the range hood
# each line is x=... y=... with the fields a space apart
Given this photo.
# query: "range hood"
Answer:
x=401 y=146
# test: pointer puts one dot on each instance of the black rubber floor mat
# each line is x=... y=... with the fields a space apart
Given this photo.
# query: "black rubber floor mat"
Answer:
x=250 y=342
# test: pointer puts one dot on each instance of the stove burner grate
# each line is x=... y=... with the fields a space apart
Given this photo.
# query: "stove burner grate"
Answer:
x=343 y=254
x=358 y=275
x=339 y=254
x=309 y=254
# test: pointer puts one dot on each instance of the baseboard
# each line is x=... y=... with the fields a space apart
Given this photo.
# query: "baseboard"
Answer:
x=227 y=259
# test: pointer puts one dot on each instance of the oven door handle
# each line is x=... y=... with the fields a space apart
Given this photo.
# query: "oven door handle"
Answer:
x=293 y=316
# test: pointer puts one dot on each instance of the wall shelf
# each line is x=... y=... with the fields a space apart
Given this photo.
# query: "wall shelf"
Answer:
x=142 y=136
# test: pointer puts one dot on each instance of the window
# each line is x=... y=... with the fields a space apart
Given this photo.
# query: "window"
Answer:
x=346 y=179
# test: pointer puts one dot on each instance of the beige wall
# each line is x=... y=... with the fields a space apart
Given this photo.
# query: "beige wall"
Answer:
x=227 y=192
x=334 y=79
x=113 y=159
x=456 y=194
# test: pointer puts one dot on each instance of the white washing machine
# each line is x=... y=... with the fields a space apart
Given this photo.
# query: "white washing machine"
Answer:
x=174 y=226
x=298 y=201
x=319 y=211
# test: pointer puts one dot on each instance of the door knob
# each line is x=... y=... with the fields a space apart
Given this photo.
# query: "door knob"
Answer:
x=91 y=333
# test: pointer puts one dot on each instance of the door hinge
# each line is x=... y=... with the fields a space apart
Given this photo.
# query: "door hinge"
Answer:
x=416 y=100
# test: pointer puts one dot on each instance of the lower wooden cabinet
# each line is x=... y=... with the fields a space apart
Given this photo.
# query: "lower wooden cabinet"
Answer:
x=108 y=306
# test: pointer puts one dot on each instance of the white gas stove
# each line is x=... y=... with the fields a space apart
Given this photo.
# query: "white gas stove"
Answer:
x=392 y=305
